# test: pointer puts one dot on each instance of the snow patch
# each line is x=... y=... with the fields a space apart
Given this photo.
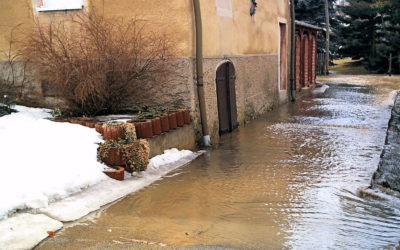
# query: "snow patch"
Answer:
x=93 y=198
x=170 y=156
x=321 y=89
x=25 y=231
x=43 y=161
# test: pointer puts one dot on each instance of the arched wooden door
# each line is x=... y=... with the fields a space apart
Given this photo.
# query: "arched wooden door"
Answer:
x=226 y=98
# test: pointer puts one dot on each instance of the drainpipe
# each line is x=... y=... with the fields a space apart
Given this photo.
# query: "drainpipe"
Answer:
x=292 y=52
x=199 y=71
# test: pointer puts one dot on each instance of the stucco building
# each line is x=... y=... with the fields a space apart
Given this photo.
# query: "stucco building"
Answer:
x=246 y=53
x=306 y=54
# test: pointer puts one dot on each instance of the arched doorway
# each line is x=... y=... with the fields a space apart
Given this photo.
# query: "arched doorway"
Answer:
x=226 y=98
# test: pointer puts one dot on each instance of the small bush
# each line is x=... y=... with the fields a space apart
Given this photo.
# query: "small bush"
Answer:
x=6 y=105
x=133 y=156
x=97 y=63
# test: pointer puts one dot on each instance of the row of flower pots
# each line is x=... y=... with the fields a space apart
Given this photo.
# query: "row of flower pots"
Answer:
x=121 y=150
x=147 y=128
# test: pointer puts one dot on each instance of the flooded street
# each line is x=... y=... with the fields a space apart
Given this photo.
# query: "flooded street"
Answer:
x=288 y=180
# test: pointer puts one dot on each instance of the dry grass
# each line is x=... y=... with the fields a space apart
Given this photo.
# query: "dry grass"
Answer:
x=348 y=66
x=350 y=71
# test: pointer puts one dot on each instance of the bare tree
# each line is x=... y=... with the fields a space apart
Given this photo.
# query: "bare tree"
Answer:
x=14 y=72
x=98 y=63
x=327 y=47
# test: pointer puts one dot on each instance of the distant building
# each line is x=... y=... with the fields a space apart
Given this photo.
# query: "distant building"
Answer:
x=306 y=54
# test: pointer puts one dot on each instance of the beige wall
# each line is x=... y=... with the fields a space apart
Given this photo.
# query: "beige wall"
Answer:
x=241 y=34
x=251 y=43
x=173 y=17
x=12 y=14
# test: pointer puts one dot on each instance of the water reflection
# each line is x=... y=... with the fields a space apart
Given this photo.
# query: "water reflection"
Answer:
x=288 y=180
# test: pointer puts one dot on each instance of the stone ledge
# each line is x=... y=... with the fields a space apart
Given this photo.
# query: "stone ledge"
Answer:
x=388 y=173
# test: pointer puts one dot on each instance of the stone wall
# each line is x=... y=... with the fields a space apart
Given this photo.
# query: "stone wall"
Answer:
x=257 y=89
x=180 y=138
x=388 y=172
x=174 y=92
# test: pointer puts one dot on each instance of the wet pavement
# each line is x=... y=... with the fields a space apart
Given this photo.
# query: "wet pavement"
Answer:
x=285 y=181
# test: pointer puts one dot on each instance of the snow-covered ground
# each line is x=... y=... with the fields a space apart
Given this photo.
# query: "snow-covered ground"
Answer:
x=105 y=192
x=50 y=171
x=42 y=161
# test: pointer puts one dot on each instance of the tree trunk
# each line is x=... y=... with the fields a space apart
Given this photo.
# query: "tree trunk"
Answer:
x=390 y=64
x=292 y=51
x=326 y=71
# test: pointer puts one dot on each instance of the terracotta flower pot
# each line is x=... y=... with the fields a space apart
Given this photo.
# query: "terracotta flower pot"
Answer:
x=113 y=157
x=75 y=121
x=164 y=123
x=144 y=129
x=147 y=129
x=186 y=116
x=156 y=124
x=117 y=174
x=113 y=132
x=179 y=118
x=172 y=120
x=59 y=120
x=99 y=127
x=138 y=128
x=90 y=124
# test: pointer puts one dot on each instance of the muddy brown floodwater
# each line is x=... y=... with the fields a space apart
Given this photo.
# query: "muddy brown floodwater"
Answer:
x=285 y=181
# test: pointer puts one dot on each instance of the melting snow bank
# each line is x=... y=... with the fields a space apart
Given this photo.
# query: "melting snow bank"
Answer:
x=25 y=231
x=51 y=168
x=43 y=161
x=91 y=199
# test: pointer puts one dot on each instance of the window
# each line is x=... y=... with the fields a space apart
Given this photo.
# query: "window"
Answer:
x=54 y=5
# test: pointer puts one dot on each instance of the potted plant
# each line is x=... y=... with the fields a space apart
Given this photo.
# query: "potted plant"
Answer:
x=186 y=116
x=88 y=122
x=118 y=131
x=132 y=156
x=144 y=127
x=180 y=118
x=99 y=127
x=113 y=131
x=156 y=124
x=109 y=153
x=172 y=120
x=164 y=119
